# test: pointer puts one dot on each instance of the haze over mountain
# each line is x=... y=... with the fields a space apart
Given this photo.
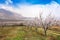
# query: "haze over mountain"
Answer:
x=8 y=15
x=8 y=18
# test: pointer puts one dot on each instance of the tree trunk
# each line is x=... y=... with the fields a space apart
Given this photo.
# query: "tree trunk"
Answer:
x=45 y=32
x=36 y=29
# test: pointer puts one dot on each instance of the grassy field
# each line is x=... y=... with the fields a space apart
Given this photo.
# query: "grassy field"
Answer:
x=25 y=33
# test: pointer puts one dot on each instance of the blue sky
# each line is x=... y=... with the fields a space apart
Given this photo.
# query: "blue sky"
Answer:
x=31 y=8
x=33 y=2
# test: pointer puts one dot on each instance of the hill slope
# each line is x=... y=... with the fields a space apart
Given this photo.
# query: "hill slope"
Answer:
x=8 y=15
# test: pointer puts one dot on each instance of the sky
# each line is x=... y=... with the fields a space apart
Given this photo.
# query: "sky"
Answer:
x=32 y=8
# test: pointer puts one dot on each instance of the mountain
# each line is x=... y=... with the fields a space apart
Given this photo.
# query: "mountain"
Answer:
x=11 y=18
x=8 y=15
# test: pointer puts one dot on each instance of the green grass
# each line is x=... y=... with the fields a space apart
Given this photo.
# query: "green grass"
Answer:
x=25 y=33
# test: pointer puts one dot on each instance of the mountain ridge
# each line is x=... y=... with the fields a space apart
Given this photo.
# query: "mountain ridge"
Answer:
x=8 y=15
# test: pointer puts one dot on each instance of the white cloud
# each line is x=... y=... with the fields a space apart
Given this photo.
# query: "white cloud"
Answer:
x=34 y=10
x=30 y=11
x=8 y=2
